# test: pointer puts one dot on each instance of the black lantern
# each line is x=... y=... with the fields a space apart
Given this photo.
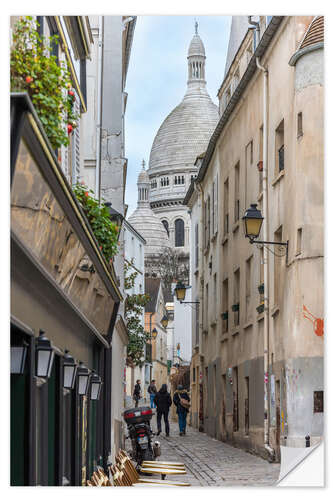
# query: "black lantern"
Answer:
x=18 y=354
x=69 y=373
x=44 y=356
x=180 y=290
x=164 y=321
x=83 y=375
x=252 y=220
x=96 y=385
x=154 y=333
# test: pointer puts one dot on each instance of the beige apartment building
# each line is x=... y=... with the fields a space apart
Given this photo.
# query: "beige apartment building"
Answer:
x=257 y=363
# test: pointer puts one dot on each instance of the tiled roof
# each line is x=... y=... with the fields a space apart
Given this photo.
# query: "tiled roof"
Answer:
x=314 y=34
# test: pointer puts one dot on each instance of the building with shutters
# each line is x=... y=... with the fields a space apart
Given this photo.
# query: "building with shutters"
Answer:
x=105 y=168
x=61 y=285
x=257 y=363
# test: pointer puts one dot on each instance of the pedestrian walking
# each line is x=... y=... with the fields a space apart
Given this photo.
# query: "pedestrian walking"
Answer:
x=152 y=390
x=137 y=393
x=181 y=399
x=163 y=403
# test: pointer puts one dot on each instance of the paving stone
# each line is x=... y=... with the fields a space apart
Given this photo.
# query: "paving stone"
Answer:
x=210 y=462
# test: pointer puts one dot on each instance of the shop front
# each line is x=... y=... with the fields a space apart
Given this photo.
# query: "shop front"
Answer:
x=64 y=303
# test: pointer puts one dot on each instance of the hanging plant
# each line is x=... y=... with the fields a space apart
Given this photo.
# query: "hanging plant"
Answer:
x=105 y=231
x=33 y=69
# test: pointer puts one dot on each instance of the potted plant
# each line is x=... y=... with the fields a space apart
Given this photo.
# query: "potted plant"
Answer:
x=225 y=315
x=261 y=288
x=235 y=307
x=261 y=308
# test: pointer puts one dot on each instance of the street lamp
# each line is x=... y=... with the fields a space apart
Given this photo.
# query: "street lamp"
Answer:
x=154 y=333
x=96 y=385
x=69 y=370
x=83 y=375
x=180 y=290
x=252 y=221
x=164 y=321
x=44 y=356
x=18 y=354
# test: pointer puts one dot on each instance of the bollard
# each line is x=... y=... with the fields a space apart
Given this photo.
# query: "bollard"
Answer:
x=307 y=441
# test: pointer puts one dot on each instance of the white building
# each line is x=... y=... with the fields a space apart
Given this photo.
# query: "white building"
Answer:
x=134 y=245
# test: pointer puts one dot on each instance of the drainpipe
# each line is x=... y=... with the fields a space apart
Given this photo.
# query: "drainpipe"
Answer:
x=257 y=33
x=99 y=108
x=270 y=450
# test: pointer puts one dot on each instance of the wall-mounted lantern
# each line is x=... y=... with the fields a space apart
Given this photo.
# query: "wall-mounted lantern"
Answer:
x=96 y=385
x=18 y=354
x=154 y=333
x=83 y=376
x=164 y=321
x=252 y=221
x=69 y=373
x=44 y=356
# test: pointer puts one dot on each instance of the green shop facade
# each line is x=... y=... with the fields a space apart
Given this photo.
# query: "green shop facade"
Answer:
x=64 y=303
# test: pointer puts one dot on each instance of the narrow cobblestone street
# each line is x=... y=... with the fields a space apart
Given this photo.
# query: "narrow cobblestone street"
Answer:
x=210 y=462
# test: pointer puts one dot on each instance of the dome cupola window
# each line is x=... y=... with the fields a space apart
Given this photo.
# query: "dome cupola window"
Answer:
x=164 y=181
x=179 y=233
x=166 y=225
x=179 y=179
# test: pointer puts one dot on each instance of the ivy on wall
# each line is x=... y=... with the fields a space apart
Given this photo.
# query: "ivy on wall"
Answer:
x=134 y=307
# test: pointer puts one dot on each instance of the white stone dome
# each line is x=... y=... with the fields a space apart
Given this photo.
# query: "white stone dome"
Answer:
x=151 y=229
x=185 y=132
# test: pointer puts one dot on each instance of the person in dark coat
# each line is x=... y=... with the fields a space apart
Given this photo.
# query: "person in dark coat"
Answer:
x=137 y=393
x=163 y=403
x=152 y=391
x=182 y=411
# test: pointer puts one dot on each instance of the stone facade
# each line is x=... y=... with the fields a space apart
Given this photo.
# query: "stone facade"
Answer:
x=230 y=357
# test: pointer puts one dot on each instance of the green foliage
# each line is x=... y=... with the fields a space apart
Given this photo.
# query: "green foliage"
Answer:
x=105 y=231
x=134 y=307
x=33 y=69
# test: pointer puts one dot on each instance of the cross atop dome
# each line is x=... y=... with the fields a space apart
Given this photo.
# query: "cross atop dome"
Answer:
x=143 y=164
x=196 y=27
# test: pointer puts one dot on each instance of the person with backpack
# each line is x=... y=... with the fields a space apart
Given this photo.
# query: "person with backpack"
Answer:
x=137 y=393
x=181 y=399
x=152 y=391
x=163 y=403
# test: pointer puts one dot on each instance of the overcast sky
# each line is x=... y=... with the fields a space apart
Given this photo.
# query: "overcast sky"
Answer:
x=157 y=76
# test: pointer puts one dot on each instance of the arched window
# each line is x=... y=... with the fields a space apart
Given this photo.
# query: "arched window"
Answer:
x=179 y=233
x=166 y=225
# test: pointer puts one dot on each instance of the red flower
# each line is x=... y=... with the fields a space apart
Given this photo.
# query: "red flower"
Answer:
x=69 y=128
x=86 y=194
x=100 y=248
x=71 y=93
x=28 y=79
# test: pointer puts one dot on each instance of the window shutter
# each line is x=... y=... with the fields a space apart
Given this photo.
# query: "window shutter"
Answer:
x=76 y=144
x=196 y=236
x=213 y=209
x=215 y=205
